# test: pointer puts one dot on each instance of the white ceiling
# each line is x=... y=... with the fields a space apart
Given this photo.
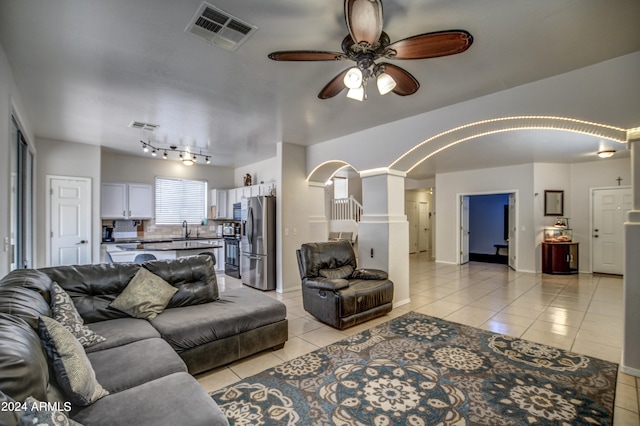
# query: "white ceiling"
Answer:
x=86 y=69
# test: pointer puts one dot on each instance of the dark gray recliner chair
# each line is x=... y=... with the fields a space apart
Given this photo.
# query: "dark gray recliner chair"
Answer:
x=335 y=291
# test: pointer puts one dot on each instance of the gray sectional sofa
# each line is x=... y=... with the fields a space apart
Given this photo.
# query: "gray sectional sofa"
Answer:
x=145 y=365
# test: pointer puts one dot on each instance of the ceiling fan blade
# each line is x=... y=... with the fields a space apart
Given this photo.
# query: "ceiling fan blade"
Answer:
x=430 y=45
x=333 y=87
x=306 y=55
x=364 y=20
x=406 y=84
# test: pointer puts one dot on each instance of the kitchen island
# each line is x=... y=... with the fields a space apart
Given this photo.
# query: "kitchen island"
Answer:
x=127 y=252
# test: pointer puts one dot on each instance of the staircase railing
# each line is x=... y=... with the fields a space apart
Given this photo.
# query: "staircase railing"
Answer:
x=346 y=209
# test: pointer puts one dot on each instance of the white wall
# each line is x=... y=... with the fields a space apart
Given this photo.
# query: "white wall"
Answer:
x=263 y=171
x=136 y=169
x=293 y=213
x=495 y=180
x=67 y=159
x=10 y=103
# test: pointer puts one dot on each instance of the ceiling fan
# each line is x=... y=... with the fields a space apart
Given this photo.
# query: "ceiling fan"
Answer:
x=366 y=43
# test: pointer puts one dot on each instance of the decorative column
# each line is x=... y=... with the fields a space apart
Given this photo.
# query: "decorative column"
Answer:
x=631 y=342
x=318 y=225
x=383 y=232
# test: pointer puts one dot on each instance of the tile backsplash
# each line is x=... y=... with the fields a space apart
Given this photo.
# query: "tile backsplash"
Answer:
x=147 y=229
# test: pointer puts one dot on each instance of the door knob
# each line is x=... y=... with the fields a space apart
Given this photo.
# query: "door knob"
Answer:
x=82 y=242
x=595 y=236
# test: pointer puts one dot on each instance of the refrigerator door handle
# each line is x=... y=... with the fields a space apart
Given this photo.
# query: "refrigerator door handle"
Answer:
x=250 y=225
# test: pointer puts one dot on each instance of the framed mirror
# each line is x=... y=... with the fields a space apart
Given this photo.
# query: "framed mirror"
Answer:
x=553 y=203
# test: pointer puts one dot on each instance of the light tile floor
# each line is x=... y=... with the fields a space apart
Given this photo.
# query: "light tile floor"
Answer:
x=582 y=313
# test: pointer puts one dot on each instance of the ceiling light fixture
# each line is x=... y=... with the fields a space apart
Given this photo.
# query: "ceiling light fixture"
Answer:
x=385 y=83
x=353 y=78
x=187 y=157
x=606 y=154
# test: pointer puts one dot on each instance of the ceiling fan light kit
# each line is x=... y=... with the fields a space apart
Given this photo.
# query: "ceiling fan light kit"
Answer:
x=366 y=43
x=606 y=154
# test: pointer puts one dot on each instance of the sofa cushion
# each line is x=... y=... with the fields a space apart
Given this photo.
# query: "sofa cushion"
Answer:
x=145 y=296
x=177 y=399
x=312 y=257
x=193 y=276
x=337 y=273
x=64 y=311
x=23 y=362
x=71 y=366
x=93 y=287
x=25 y=303
x=121 y=331
x=127 y=366
x=236 y=311
x=37 y=413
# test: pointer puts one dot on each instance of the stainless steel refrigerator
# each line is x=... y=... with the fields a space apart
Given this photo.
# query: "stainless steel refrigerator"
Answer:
x=258 y=243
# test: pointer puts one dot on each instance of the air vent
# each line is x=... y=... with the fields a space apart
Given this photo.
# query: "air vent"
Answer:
x=143 y=126
x=220 y=28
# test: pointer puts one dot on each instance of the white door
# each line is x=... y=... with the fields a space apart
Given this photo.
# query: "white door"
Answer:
x=610 y=207
x=69 y=220
x=464 y=230
x=423 y=226
x=411 y=210
x=511 y=242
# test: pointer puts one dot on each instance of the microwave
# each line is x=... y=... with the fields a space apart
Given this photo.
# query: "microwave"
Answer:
x=228 y=229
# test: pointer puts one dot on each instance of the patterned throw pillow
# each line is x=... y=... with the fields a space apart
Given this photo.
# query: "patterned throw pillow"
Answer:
x=40 y=414
x=71 y=367
x=145 y=296
x=64 y=311
x=341 y=272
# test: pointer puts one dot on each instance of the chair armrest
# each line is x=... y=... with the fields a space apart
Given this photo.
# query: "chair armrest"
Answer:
x=370 y=274
x=331 y=284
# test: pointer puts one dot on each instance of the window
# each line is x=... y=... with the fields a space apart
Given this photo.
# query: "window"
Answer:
x=340 y=188
x=178 y=200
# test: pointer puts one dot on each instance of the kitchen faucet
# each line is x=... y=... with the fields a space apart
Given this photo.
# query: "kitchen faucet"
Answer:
x=186 y=229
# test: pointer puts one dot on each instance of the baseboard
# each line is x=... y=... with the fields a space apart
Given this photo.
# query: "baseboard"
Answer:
x=630 y=371
x=402 y=302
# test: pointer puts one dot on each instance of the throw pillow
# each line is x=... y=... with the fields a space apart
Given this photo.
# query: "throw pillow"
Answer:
x=341 y=272
x=64 y=311
x=145 y=296
x=71 y=366
x=42 y=414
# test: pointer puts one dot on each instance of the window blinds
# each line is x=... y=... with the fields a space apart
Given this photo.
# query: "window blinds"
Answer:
x=178 y=200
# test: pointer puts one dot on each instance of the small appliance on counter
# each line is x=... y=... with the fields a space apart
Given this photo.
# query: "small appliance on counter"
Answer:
x=228 y=229
x=107 y=234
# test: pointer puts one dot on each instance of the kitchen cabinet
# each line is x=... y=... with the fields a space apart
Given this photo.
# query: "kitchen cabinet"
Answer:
x=126 y=201
x=560 y=258
x=219 y=201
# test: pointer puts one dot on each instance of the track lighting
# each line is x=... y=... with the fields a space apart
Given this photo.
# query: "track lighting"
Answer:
x=187 y=157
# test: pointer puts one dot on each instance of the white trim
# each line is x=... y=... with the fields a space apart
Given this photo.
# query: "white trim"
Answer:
x=459 y=221
x=47 y=221
x=628 y=370
x=382 y=171
x=591 y=196
x=401 y=303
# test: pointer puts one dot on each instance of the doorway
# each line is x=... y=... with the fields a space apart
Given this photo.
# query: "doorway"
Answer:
x=487 y=228
x=68 y=221
x=21 y=199
x=609 y=211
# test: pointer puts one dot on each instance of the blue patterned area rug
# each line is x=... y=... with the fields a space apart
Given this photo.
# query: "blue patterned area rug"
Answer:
x=420 y=370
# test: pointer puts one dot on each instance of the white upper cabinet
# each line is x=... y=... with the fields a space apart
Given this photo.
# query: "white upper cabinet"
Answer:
x=126 y=201
x=219 y=201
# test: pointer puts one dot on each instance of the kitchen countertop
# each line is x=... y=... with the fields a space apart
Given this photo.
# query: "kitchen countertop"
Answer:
x=168 y=245
x=160 y=240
